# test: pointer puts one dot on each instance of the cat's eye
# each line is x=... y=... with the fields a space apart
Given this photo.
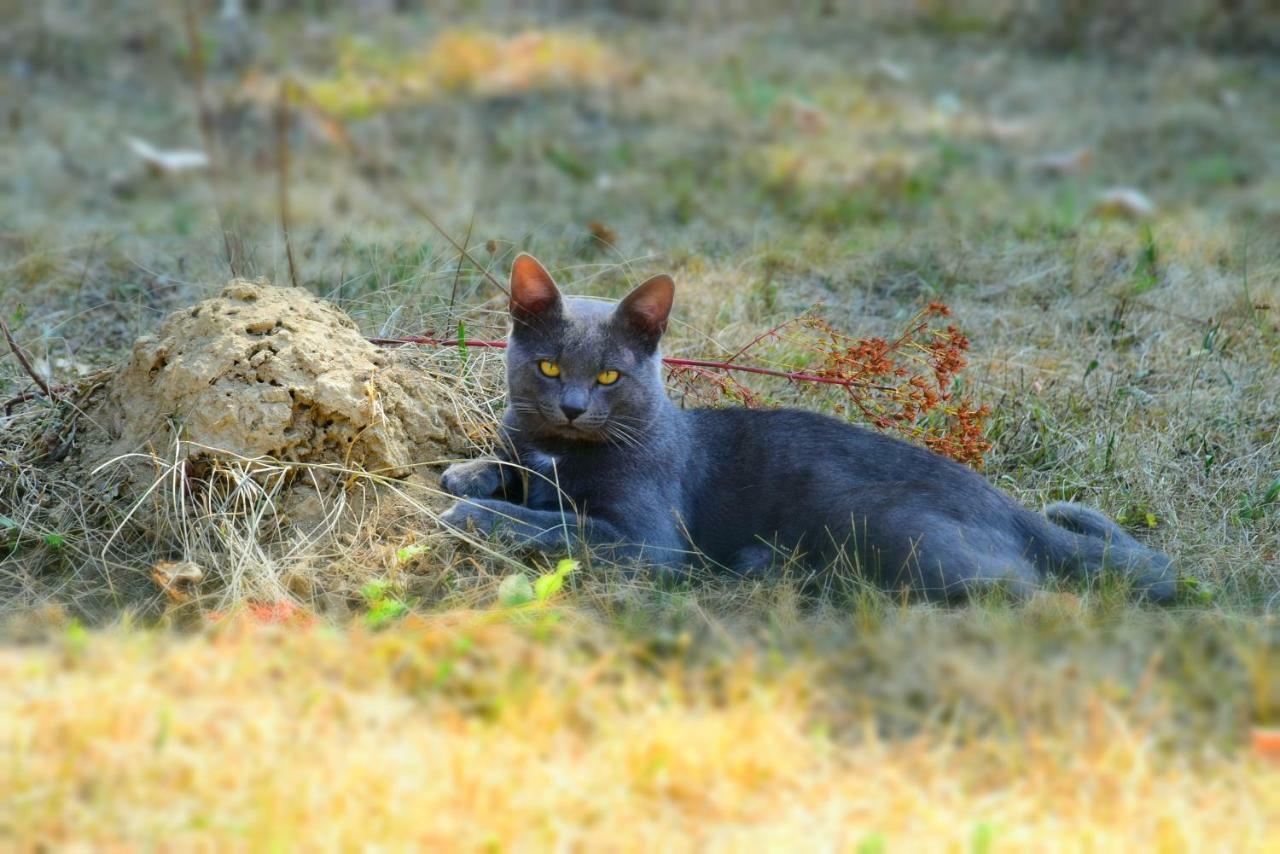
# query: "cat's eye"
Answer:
x=607 y=377
x=549 y=368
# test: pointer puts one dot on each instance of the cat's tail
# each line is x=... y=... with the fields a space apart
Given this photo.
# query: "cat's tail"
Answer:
x=1083 y=520
x=1086 y=542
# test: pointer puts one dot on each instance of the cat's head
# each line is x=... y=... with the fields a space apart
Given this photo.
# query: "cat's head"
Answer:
x=581 y=368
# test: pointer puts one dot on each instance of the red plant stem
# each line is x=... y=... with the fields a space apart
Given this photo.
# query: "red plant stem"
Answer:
x=795 y=376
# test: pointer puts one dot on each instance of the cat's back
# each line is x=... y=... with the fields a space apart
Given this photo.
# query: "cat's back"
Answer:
x=796 y=440
x=789 y=475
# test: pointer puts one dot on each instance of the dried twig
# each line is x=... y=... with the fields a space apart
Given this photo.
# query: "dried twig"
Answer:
x=457 y=274
x=282 y=175
x=195 y=51
x=25 y=362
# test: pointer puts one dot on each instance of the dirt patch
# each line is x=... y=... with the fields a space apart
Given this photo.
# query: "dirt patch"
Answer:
x=261 y=371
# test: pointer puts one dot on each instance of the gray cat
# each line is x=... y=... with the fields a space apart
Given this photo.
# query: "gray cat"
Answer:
x=597 y=454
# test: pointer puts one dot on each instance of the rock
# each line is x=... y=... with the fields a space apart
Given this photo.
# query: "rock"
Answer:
x=262 y=371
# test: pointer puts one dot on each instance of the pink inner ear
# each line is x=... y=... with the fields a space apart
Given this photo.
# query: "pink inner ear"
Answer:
x=532 y=289
x=650 y=311
x=650 y=304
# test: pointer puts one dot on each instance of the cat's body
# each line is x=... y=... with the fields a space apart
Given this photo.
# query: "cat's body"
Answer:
x=742 y=490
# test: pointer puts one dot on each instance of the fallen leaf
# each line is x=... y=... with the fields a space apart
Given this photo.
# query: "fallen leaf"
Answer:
x=602 y=232
x=178 y=579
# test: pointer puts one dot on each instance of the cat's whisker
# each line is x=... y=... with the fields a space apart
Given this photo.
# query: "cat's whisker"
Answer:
x=624 y=436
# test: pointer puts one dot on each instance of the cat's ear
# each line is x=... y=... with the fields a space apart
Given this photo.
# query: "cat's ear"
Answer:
x=534 y=294
x=646 y=309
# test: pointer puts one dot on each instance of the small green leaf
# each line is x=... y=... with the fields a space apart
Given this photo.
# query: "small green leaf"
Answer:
x=983 y=838
x=1251 y=510
x=462 y=342
x=8 y=524
x=1196 y=590
x=568 y=163
x=54 y=541
x=550 y=584
x=375 y=590
x=76 y=636
x=515 y=590
x=408 y=553
x=872 y=843
x=1272 y=494
x=384 y=612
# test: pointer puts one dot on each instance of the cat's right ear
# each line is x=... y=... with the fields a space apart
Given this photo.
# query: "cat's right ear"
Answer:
x=534 y=295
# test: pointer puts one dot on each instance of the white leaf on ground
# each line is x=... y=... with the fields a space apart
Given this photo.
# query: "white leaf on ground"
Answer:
x=1125 y=202
x=171 y=162
x=1064 y=162
x=892 y=71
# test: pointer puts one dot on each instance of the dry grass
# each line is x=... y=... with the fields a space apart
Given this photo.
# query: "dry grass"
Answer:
x=256 y=529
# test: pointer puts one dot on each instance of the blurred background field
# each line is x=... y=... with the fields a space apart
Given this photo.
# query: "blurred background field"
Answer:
x=1092 y=188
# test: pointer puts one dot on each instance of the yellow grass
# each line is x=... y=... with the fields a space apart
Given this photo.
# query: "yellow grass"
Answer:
x=467 y=61
x=475 y=733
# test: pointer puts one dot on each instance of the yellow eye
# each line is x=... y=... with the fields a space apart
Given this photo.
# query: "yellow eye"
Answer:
x=549 y=369
x=607 y=377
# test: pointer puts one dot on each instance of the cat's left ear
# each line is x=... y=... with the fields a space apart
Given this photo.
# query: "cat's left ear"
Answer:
x=646 y=309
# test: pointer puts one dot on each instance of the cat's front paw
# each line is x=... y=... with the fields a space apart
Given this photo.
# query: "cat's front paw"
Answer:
x=472 y=479
x=468 y=518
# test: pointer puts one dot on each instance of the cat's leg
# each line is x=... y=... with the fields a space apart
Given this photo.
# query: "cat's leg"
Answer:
x=1083 y=543
x=494 y=476
x=945 y=560
x=546 y=530
x=473 y=478
x=958 y=572
x=553 y=531
x=753 y=562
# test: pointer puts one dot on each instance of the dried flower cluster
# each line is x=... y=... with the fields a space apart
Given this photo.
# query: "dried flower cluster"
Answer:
x=905 y=384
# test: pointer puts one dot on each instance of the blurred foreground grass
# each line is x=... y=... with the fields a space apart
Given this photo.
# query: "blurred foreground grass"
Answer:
x=470 y=731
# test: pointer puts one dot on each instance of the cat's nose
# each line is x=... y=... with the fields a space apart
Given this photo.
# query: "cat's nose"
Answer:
x=574 y=401
x=571 y=411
